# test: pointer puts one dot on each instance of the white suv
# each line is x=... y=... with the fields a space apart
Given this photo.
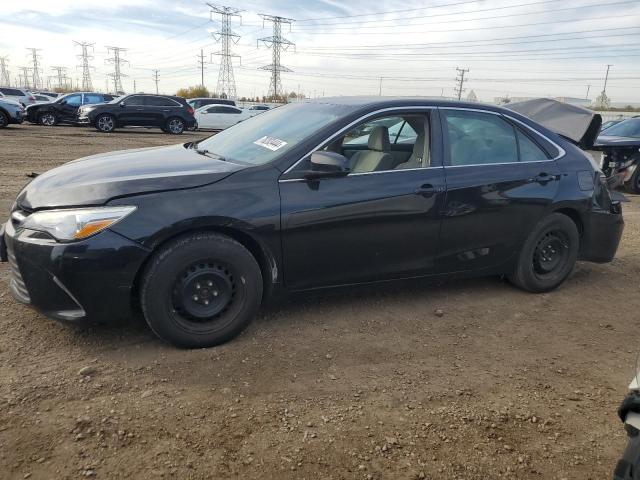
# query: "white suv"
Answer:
x=20 y=95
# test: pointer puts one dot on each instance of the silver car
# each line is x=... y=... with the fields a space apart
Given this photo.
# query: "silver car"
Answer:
x=10 y=112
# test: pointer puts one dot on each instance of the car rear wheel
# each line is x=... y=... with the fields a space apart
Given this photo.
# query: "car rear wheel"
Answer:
x=201 y=290
x=174 y=126
x=47 y=119
x=548 y=255
x=105 y=123
x=4 y=120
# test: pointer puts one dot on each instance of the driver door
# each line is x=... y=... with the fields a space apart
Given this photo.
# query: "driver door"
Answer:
x=366 y=226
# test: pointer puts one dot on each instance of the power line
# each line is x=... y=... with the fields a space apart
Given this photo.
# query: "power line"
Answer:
x=36 y=81
x=460 y=80
x=117 y=61
x=276 y=43
x=87 y=86
x=226 y=81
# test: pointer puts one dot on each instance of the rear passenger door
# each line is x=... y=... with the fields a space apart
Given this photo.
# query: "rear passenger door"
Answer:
x=500 y=181
x=159 y=109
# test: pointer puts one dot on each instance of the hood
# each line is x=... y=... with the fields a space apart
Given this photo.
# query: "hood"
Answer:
x=579 y=125
x=615 y=141
x=10 y=102
x=97 y=179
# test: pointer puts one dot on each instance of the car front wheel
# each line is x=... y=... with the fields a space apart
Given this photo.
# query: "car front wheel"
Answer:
x=4 y=120
x=201 y=290
x=48 y=119
x=548 y=255
x=105 y=123
x=174 y=126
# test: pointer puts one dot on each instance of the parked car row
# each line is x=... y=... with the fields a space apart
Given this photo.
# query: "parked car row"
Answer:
x=106 y=112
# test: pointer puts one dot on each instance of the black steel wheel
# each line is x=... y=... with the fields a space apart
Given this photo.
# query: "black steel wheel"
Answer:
x=634 y=181
x=105 y=123
x=48 y=119
x=201 y=290
x=548 y=255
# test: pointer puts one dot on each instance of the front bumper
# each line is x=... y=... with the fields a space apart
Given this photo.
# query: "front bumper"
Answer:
x=17 y=117
x=92 y=279
x=601 y=235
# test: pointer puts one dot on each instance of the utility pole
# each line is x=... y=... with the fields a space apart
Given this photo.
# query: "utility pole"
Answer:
x=5 y=80
x=587 y=96
x=201 y=65
x=606 y=79
x=35 y=68
x=87 y=86
x=603 y=101
x=135 y=89
x=380 y=88
x=117 y=63
x=61 y=74
x=226 y=36
x=156 y=79
x=460 y=79
x=276 y=43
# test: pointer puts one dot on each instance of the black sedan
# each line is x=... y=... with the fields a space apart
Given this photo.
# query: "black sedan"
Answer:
x=197 y=236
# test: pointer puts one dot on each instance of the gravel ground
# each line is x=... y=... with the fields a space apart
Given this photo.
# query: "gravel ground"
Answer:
x=464 y=380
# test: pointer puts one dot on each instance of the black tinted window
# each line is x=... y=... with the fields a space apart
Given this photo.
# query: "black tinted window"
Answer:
x=160 y=102
x=135 y=101
x=91 y=98
x=11 y=91
x=477 y=138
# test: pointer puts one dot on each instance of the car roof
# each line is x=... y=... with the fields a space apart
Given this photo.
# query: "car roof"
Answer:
x=382 y=102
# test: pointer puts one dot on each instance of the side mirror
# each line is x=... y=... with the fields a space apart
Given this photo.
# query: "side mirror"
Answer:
x=122 y=104
x=327 y=165
x=63 y=102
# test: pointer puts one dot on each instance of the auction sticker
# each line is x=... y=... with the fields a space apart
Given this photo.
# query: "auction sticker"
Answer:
x=271 y=143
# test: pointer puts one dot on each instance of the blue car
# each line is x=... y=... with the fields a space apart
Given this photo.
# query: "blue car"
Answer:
x=10 y=112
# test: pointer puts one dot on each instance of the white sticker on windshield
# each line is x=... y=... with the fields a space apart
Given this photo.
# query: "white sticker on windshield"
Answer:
x=271 y=143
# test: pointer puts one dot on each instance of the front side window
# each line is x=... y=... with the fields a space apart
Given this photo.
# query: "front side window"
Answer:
x=135 y=101
x=74 y=100
x=262 y=138
x=387 y=143
x=477 y=138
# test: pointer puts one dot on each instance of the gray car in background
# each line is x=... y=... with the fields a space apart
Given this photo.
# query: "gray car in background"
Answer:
x=10 y=112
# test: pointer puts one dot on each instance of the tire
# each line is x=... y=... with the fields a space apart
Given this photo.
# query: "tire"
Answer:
x=548 y=255
x=634 y=182
x=174 y=126
x=48 y=119
x=200 y=290
x=105 y=123
x=4 y=120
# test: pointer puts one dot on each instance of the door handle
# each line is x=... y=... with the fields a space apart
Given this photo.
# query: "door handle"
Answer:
x=427 y=189
x=542 y=178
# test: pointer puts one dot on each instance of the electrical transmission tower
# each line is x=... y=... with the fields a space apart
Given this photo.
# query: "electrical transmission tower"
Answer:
x=36 y=82
x=86 y=68
x=226 y=81
x=117 y=61
x=61 y=75
x=201 y=64
x=5 y=80
x=156 y=79
x=460 y=79
x=24 y=78
x=276 y=43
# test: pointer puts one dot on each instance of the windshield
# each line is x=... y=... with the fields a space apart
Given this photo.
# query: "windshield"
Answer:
x=260 y=139
x=627 y=128
x=117 y=99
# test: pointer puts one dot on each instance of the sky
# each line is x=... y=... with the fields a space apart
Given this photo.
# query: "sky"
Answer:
x=515 y=48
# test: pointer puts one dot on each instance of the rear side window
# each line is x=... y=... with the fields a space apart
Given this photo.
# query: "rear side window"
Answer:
x=222 y=109
x=529 y=150
x=477 y=138
x=160 y=102
x=91 y=98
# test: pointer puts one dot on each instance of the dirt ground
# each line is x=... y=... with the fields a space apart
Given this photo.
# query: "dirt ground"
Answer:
x=366 y=383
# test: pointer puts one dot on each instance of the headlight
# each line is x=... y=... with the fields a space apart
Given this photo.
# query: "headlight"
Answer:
x=75 y=224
